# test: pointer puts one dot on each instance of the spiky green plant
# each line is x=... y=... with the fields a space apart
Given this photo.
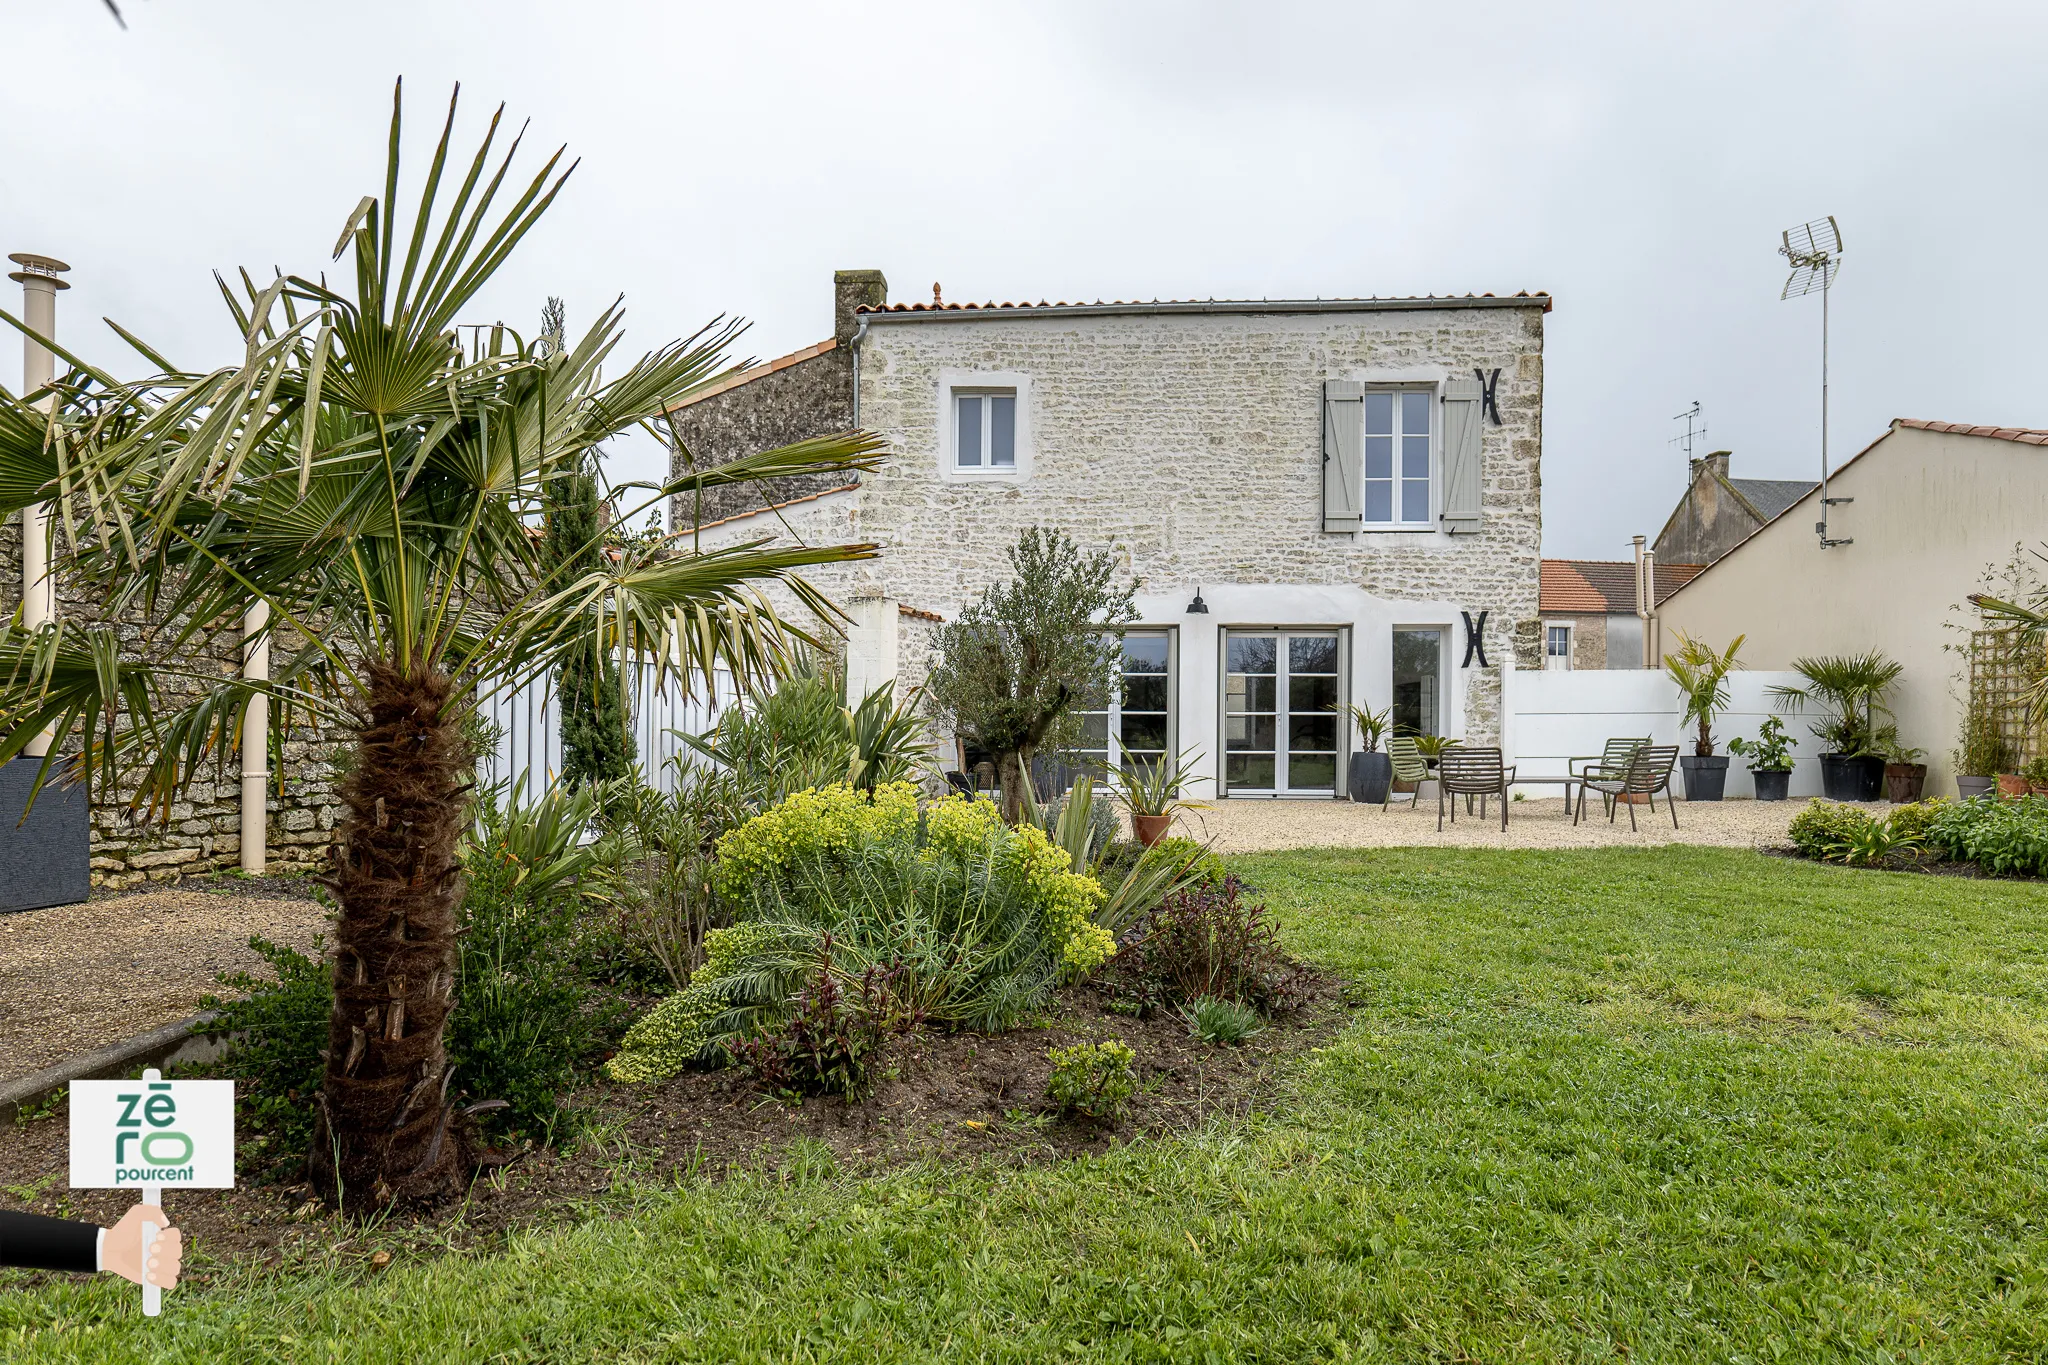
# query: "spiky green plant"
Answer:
x=376 y=483
x=1854 y=687
x=1701 y=673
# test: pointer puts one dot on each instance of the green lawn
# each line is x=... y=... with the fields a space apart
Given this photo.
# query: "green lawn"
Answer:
x=1667 y=1104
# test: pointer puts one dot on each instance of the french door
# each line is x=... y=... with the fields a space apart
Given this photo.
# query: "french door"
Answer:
x=1280 y=718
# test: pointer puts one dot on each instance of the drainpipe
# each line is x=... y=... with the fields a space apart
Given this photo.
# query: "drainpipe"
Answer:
x=39 y=282
x=255 y=740
x=1645 y=596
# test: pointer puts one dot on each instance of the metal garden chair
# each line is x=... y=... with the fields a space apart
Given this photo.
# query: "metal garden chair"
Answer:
x=1470 y=771
x=1648 y=772
x=1610 y=766
x=1409 y=766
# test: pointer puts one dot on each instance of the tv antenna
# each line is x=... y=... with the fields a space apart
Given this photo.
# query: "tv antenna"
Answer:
x=1815 y=251
x=1692 y=433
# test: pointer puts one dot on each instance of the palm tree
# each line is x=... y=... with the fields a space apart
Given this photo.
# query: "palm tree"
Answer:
x=378 y=486
x=1701 y=673
x=1854 y=687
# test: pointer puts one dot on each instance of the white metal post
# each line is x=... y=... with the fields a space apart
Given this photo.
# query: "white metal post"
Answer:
x=39 y=280
x=255 y=740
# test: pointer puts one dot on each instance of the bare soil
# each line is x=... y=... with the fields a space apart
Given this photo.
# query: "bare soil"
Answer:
x=965 y=1097
x=75 y=978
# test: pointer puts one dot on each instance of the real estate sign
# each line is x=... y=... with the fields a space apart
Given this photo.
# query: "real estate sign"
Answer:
x=152 y=1133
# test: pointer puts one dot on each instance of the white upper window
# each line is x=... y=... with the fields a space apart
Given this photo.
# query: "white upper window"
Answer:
x=1397 y=456
x=985 y=430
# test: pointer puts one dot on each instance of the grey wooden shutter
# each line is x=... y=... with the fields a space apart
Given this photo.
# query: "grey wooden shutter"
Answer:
x=1343 y=453
x=1463 y=426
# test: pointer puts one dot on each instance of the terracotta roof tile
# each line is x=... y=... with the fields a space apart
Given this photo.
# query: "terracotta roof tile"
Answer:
x=1192 y=304
x=1602 y=586
x=918 y=614
x=2024 y=435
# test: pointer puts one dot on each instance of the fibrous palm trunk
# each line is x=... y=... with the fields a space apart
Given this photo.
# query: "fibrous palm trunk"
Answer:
x=386 y=1131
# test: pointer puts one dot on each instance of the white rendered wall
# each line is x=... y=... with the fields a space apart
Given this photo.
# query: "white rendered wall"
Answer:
x=1550 y=717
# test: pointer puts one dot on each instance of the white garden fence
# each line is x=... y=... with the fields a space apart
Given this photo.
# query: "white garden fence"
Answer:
x=528 y=722
x=1548 y=717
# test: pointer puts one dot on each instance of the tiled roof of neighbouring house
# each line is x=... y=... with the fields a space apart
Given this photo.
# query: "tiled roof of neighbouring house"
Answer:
x=2025 y=435
x=1772 y=496
x=1525 y=298
x=747 y=376
x=1602 y=586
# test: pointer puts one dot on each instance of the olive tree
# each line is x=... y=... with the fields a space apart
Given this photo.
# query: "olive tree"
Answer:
x=1012 y=674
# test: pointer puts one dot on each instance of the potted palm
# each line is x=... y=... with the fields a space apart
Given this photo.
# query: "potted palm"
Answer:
x=1853 y=687
x=1701 y=673
x=1771 y=751
x=1371 y=770
x=1150 y=791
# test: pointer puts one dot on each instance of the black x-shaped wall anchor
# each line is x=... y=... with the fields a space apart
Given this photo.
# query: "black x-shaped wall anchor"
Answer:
x=1475 y=639
x=1489 y=386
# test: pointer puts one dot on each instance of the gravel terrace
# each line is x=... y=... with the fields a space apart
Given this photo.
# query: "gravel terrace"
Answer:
x=1253 y=826
x=74 y=978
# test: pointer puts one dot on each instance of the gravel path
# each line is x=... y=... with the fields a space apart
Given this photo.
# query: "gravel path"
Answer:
x=78 y=977
x=1251 y=826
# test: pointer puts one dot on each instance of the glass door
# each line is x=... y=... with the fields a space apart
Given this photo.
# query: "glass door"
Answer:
x=1418 y=681
x=1280 y=717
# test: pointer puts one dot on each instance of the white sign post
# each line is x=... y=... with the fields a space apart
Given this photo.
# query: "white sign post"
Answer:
x=146 y=1134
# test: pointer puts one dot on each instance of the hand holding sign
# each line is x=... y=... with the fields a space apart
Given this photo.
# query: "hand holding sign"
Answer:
x=145 y=1135
x=122 y=1252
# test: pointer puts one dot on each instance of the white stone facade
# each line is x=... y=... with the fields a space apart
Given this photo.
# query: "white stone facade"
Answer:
x=1192 y=441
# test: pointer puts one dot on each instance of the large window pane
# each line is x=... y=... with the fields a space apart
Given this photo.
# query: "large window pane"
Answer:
x=1415 y=457
x=1312 y=654
x=1145 y=653
x=1311 y=731
x=1144 y=732
x=1002 y=441
x=1144 y=692
x=1311 y=694
x=1252 y=653
x=1379 y=457
x=1249 y=732
x=1415 y=414
x=1379 y=414
x=1254 y=772
x=1415 y=499
x=1312 y=772
x=969 y=429
x=1379 y=500
x=1418 y=661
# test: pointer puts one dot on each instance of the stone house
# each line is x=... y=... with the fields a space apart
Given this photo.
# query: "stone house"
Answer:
x=1719 y=511
x=1323 y=501
x=1590 y=611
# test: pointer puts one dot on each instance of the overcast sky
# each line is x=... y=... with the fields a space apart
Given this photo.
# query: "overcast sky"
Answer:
x=1636 y=163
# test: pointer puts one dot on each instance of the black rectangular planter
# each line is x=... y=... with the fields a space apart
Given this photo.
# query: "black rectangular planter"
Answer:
x=47 y=859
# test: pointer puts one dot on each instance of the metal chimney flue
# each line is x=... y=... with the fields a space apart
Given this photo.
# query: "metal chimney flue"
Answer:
x=40 y=278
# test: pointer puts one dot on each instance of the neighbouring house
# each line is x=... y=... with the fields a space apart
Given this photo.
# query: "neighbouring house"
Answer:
x=1929 y=506
x=1720 y=511
x=1324 y=501
x=1592 y=615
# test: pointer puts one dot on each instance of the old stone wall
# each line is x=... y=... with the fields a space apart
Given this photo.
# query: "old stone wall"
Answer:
x=1194 y=442
x=203 y=829
x=812 y=397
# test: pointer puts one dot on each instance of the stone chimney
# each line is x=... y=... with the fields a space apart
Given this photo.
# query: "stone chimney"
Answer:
x=1717 y=463
x=853 y=289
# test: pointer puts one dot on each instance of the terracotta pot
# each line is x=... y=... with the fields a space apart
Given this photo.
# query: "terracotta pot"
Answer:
x=1150 y=829
x=1903 y=781
x=2011 y=784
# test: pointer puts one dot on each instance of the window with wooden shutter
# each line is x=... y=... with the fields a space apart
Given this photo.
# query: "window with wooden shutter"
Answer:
x=1343 y=444
x=1462 y=430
